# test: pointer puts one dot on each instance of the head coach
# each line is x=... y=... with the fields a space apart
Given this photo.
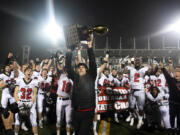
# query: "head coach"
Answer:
x=83 y=94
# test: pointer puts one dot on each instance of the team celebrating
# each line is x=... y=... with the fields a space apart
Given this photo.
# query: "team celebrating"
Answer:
x=153 y=91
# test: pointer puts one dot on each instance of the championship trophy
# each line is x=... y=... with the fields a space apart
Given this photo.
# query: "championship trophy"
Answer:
x=75 y=34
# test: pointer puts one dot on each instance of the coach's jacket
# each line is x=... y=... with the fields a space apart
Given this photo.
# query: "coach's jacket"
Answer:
x=83 y=94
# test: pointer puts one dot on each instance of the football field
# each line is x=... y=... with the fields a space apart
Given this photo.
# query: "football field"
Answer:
x=104 y=128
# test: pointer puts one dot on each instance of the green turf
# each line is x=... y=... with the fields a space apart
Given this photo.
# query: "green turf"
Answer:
x=121 y=128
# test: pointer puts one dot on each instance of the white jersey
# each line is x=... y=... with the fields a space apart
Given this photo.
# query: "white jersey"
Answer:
x=121 y=83
x=5 y=78
x=105 y=80
x=146 y=79
x=21 y=74
x=50 y=73
x=35 y=74
x=43 y=83
x=160 y=99
x=126 y=75
x=155 y=99
x=64 y=86
x=112 y=78
x=153 y=80
x=26 y=89
x=161 y=82
x=137 y=77
x=12 y=74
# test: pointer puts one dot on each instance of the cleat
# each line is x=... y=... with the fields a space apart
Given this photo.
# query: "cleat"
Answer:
x=128 y=119
x=116 y=120
x=40 y=124
x=98 y=117
x=23 y=127
x=95 y=133
x=140 y=123
x=131 y=122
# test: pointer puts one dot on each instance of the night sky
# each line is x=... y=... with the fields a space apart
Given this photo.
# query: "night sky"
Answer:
x=21 y=20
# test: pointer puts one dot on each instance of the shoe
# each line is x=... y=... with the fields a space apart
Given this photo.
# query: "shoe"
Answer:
x=41 y=124
x=140 y=123
x=23 y=127
x=131 y=122
x=116 y=120
x=98 y=117
x=95 y=133
x=128 y=119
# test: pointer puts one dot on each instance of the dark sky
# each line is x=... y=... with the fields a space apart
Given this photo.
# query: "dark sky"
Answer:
x=20 y=20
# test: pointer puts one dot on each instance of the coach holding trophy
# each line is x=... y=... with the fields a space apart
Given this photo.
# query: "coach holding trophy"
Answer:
x=83 y=94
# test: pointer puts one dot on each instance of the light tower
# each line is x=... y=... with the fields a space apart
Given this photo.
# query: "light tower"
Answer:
x=26 y=51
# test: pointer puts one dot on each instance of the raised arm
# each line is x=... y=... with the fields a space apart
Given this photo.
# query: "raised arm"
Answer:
x=33 y=64
x=49 y=63
x=68 y=67
x=166 y=74
x=92 y=61
x=79 y=56
x=103 y=66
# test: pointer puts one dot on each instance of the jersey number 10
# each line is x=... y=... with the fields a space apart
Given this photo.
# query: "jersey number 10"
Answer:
x=66 y=86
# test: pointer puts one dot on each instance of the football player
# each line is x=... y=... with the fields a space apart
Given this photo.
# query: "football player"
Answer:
x=44 y=82
x=25 y=95
x=63 y=104
x=137 y=94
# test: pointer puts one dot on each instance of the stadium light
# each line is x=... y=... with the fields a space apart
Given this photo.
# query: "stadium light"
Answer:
x=53 y=31
x=174 y=27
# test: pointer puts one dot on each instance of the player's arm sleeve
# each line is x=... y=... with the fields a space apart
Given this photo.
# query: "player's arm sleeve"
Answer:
x=160 y=96
x=20 y=73
x=102 y=67
x=92 y=63
x=149 y=96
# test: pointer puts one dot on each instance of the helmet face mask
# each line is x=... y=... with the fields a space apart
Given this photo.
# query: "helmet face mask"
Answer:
x=24 y=112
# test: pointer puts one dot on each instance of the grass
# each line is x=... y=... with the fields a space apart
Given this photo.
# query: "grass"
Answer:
x=121 y=128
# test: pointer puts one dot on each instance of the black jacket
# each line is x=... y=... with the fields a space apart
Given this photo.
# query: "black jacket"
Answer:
x=83 y=94
x=174 y=88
